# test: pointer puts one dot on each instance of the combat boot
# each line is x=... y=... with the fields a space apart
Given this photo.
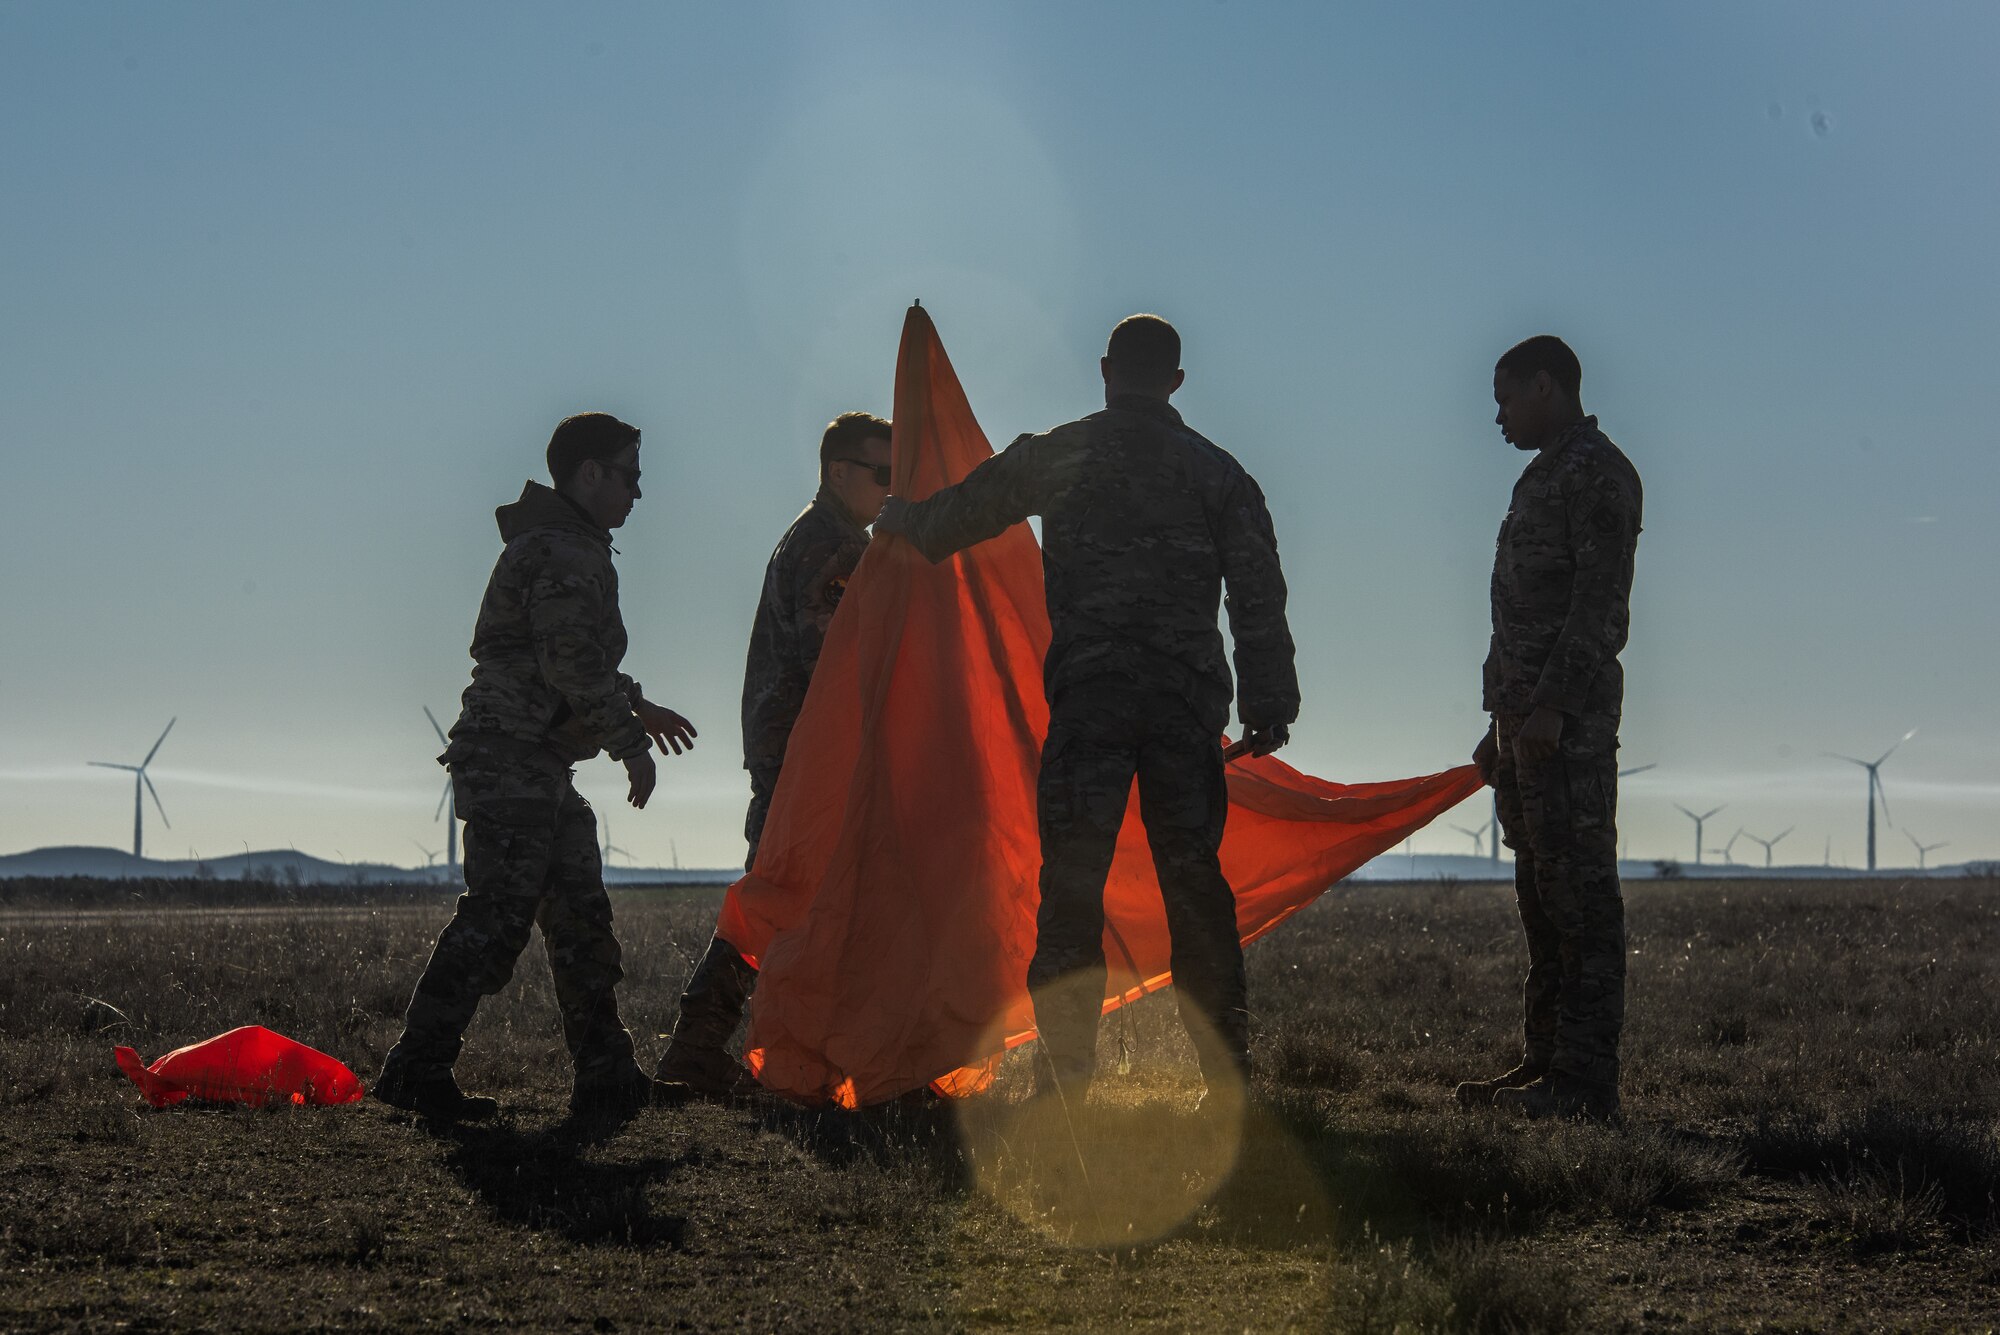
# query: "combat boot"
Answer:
x=623 y=1090
x=1552 y=1096
x=434 y=1096
x=1480 y=1093
x=689 y=1071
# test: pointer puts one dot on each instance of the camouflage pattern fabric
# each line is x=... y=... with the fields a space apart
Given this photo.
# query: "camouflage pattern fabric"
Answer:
x=531 y=860
x=1102 y=735
x=803 y=584
x=1143 y=524
x=763 y=782
x=549 y=638
x=1560 y=818
x=1562 y=579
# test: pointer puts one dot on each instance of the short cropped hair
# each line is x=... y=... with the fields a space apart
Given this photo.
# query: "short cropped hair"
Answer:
x=845 y=434
x=584 y=437
x=1144 y=347
x=1544 y=352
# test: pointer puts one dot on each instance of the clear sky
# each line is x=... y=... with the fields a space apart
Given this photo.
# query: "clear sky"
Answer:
x=294 y=294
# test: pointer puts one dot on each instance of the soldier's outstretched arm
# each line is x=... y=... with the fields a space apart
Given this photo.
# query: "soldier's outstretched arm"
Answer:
x=992 y=498
x=569 y=607
x=1267 y=679
x=1603 y=526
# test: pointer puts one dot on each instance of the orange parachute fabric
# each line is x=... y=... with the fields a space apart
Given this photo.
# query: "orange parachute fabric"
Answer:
x=891 y=910
x=251 y=1065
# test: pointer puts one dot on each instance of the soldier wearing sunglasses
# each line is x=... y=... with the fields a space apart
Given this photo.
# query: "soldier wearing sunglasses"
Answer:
x=546 y=695
x=803 y=585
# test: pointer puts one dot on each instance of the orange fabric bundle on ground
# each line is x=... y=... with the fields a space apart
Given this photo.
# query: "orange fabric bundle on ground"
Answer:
x=251 y=1065
x=891 y=910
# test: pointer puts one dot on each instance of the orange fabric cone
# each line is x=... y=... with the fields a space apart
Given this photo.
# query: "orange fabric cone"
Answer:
x=891 y=910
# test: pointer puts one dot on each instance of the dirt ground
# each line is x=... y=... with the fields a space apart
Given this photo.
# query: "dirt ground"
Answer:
x=1812 y=1139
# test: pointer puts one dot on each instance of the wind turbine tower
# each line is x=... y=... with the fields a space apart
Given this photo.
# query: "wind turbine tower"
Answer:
x=1772 y=843
x=1875 y=788
x=447 y=810
x=141 y=785
x=1697 y=826
x=1923 y=850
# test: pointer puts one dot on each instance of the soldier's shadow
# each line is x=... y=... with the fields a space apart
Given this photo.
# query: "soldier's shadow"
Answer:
x=544 y=1180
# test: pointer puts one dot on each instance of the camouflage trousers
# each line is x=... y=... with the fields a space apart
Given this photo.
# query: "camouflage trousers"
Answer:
x=1560 y=818
x=763 y=782
x=1101 y=738
x=531 y=860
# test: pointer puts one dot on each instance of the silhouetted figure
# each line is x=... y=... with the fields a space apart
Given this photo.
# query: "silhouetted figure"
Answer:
x=1562 y=580
x=546 y=693
x=1143 y=524
x=803 y=584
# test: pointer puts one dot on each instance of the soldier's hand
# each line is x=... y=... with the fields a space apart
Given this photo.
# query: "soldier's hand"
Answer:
x=1539 y=737
x=643 y=774
x=1486 y=755
x=890 y=518
x=1259 y=742
x=669 y=731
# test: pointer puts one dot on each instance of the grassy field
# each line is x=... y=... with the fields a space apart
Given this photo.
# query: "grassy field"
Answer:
x=1813 y=1139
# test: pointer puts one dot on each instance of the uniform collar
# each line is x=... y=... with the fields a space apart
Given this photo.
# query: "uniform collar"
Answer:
x=543 y=506
x=824 y=499
x=1146 y=405
x=1575 y=431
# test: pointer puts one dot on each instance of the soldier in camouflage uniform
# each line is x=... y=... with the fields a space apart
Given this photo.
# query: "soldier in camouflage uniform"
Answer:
x=803 y=584
x=1143 y=524
x=546 y=693
x=1562 y=581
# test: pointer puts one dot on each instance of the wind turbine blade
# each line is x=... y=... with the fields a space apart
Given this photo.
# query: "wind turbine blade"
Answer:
x=1706 y=814
x=143 y=778
x=1685 y=812
x=1882 y=793
x=105 y=764
x=156 y=745
x=1849 y=759
x=1638 y=769
x=1899 y=741
x=439 y=815
x=1788 y=830
x=434 y=726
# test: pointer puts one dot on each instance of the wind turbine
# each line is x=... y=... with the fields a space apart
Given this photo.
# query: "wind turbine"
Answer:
x=430 y=855
x=609 y=847
x=1729 y=849
x=1772 y=842
x=1697 y=826
x=447 y=810
x=1478 y=836
x=1923 y=850
x=1875 y=788
x=141 y=785
x=1623 y=774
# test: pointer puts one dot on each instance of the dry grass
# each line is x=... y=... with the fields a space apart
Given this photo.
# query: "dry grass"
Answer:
x=1813 y=1094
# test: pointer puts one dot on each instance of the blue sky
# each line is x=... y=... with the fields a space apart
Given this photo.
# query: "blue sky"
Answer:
x=294 y=294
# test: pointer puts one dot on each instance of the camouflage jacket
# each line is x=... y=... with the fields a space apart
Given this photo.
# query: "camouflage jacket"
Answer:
x=546 y=649
x=803 y=584
x=1562 y=579
x=1143 y=524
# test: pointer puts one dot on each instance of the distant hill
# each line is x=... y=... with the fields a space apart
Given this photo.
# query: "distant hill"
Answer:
x=289 y=866
x=1465 y=867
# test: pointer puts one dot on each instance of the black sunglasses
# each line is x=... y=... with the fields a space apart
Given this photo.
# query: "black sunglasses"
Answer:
x=881 y=471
